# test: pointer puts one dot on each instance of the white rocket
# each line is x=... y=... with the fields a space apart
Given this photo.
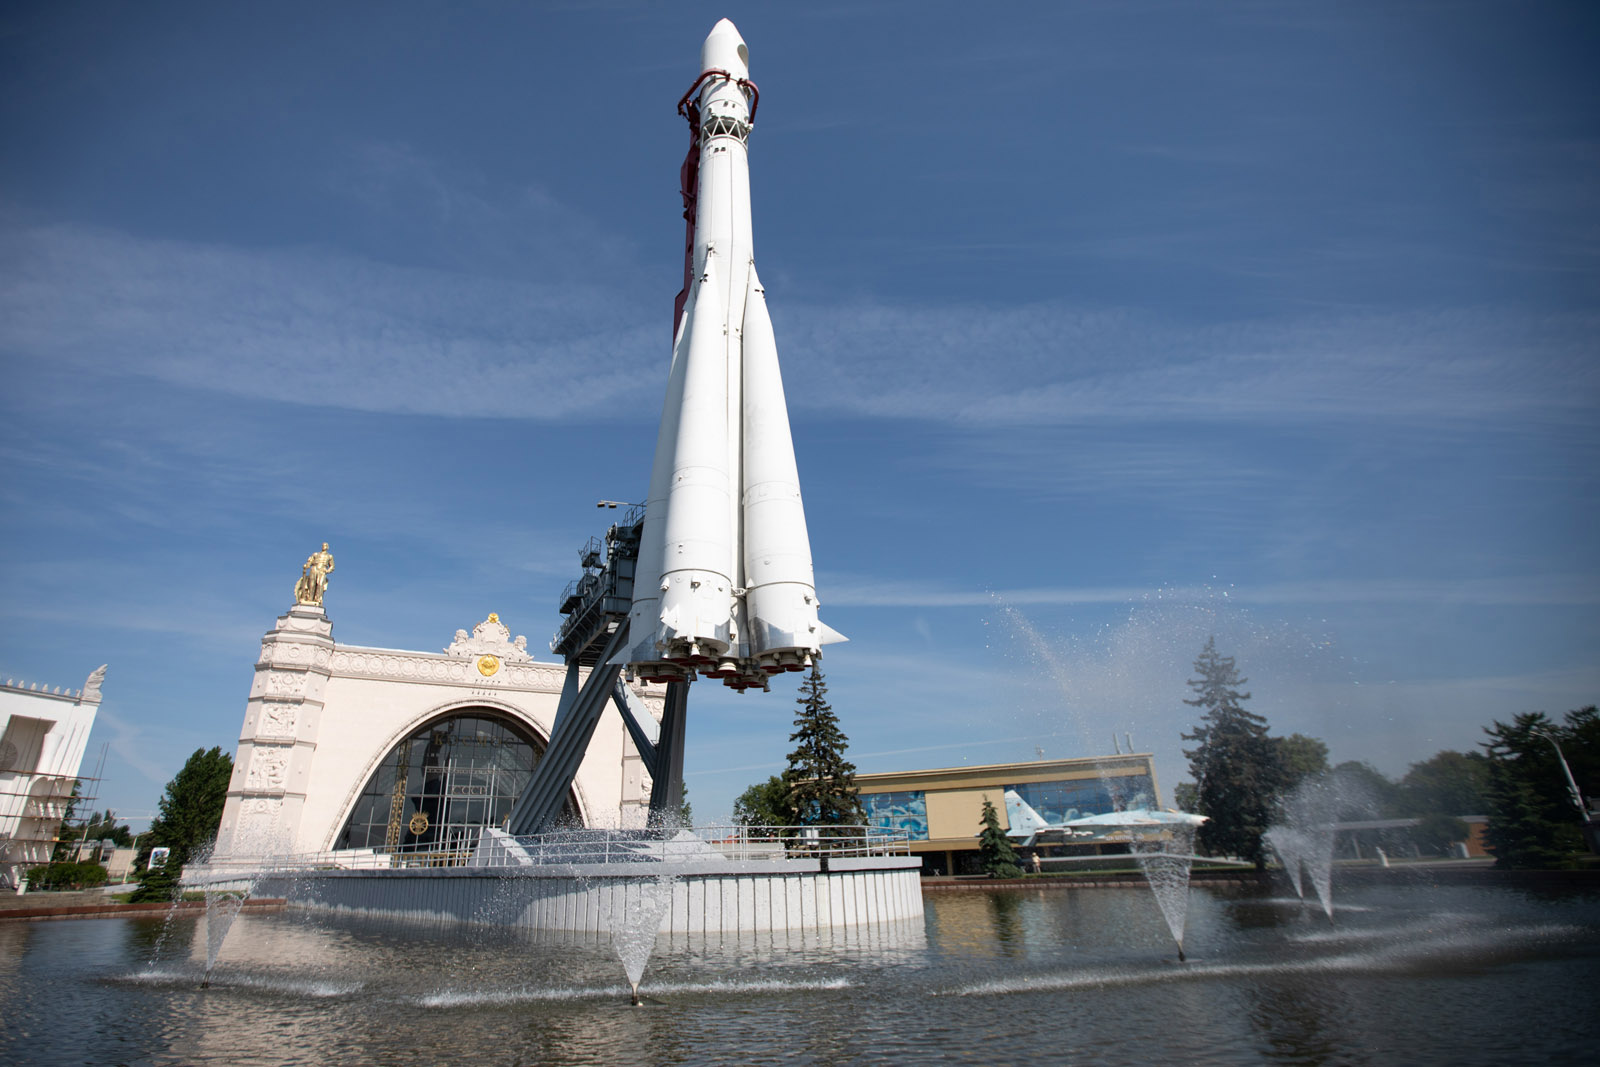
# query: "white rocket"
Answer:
x=723 y=585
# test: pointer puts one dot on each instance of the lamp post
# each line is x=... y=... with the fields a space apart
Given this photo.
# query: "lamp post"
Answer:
x=1572 y=788
x=1572 y=785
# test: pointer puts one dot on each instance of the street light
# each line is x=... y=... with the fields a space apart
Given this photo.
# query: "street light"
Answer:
x=1572 y=784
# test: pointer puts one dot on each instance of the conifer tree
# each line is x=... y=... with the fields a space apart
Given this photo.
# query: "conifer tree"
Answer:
x=999 y=858
x=1533 y=822
x=1237 y=768
x=819 y=783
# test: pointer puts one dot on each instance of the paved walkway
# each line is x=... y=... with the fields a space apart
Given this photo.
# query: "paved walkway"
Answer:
x=90 y=904
x=40 y=899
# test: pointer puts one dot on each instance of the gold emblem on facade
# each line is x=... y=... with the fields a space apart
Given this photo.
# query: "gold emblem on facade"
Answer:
x=418 y=823
x=488 y=665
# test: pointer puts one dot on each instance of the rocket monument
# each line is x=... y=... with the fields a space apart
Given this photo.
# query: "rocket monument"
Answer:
x=723 y=586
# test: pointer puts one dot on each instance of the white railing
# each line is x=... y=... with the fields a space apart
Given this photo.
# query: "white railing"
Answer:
x=707 y=844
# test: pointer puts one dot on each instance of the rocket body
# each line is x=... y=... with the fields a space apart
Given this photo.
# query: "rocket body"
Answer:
x=723 y=585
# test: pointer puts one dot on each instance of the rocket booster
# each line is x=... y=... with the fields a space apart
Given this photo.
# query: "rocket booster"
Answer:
x=723 y=585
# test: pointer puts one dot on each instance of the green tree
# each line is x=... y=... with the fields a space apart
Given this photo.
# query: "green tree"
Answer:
x=1235 y=764
x=191 y=805
x=999 y=858
x=158 y=882
x=761 y=804
x=1436 y=832
x=1533 y=822
x=102 y=826
x=1185 y=797
x=1447 y=783
x=1301 y=757
x=1366 y=792
x=819 y=783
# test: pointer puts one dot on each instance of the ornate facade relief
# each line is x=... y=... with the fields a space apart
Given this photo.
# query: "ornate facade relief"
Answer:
x=490 y=638
x=355 y=662
x=279 y=685
x=269 y=769
x=277 y=720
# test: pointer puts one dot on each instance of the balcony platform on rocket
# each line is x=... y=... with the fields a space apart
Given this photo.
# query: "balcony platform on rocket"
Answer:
x=725 y=586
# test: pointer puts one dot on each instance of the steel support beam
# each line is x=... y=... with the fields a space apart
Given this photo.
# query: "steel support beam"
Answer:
x=666 y=790
x=634 y=716
x=539 y=807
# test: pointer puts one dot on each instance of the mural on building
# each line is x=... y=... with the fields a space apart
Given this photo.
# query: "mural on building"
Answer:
x=905 y=810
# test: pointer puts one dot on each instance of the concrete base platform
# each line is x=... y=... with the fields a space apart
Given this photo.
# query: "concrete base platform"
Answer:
x=723 y=898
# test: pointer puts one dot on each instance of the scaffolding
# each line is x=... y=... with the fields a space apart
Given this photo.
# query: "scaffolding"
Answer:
x=34 y=808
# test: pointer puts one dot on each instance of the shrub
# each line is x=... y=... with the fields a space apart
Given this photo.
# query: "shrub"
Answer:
x=64 y=874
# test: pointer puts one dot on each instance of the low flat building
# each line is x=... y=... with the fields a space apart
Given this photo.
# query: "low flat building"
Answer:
x=43 y=735
x=942 y=809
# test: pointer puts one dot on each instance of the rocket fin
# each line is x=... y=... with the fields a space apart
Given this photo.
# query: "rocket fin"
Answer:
x=830 y=636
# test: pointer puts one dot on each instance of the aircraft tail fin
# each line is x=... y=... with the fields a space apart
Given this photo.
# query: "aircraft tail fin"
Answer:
x=1025 y=822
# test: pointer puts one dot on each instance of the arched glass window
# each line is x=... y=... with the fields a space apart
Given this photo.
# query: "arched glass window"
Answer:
x=443 y=784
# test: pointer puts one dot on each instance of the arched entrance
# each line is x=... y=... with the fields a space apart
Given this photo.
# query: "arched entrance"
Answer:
x=442 y=784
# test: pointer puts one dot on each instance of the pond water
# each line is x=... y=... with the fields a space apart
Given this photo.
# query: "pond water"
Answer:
x=1403 y=975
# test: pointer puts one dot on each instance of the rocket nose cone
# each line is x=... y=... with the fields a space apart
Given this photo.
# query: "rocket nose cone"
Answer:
x=725 y=50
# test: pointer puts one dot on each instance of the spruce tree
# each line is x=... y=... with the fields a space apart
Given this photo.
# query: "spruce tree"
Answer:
x=1237 y=768
x=999 y=858
x=1533 y=822
x=819 y=783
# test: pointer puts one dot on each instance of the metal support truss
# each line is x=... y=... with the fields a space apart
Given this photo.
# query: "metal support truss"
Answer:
x=596 y=629
x=539 y=806
x=634 y=717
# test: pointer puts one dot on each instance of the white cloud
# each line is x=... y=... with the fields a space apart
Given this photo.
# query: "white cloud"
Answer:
x=1049 y=364
x=323 y=328
x=309 y=326
x=1547 y=590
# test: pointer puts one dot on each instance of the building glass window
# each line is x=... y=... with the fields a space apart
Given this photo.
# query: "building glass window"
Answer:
x=905 y=810
x=443 y=784
x=1072 y=799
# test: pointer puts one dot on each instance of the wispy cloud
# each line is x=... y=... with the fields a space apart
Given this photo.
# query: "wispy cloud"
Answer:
x=1533 y=590
x=315 y=327
x=322 y=328
x=1048 y=364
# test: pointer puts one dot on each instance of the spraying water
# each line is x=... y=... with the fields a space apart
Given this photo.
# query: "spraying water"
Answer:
x=637 y=908
x=1166 y=861
x=222 y=907
x=1303 y=835
x=1287 y=845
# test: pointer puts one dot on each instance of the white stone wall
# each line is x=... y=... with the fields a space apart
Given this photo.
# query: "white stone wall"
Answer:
x=321 y=716
x=747 y=898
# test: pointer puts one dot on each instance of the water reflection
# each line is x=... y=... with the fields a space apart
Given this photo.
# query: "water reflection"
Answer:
x=1084 y=974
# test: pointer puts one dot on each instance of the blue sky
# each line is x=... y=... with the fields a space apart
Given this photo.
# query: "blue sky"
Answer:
x=1105 y=327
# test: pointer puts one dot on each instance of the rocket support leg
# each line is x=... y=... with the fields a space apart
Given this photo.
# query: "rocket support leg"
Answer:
x=539 y=807
x=634 y=717
x=666 y=790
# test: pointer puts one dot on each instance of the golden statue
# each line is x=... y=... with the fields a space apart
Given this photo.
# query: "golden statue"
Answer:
x=314 y=578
